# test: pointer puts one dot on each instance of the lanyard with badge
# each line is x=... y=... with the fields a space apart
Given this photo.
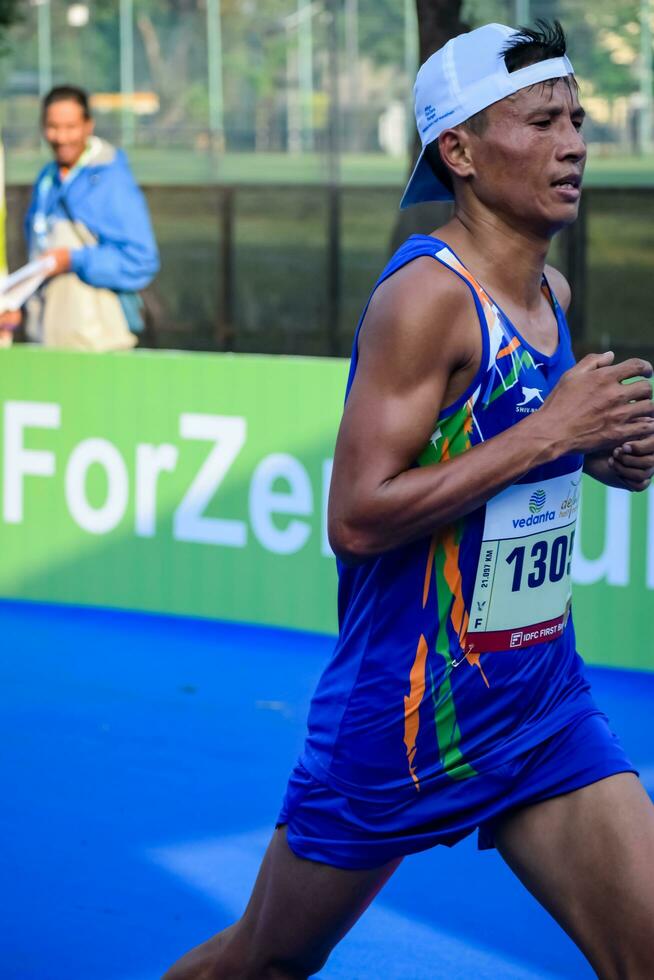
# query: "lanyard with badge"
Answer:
x=41 y=222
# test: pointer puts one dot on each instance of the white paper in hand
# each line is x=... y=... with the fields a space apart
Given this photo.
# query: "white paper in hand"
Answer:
x=16 y=289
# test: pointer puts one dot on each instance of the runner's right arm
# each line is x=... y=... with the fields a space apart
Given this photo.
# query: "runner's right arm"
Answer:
x=412 y=362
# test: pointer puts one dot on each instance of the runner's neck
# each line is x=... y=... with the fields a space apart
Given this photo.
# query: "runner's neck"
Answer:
x=507 y=263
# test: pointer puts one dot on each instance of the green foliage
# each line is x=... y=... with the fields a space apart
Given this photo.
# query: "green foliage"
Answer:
x=478 y=12
x=602 y=35
x=381 y=31
x=260 y=50
x=10 y=13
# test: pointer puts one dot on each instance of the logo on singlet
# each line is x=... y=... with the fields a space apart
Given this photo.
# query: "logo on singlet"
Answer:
x=529 y=396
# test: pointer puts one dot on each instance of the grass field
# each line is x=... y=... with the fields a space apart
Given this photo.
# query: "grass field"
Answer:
x=188 y=166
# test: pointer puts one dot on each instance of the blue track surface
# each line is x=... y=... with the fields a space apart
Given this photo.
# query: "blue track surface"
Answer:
x=143 y=762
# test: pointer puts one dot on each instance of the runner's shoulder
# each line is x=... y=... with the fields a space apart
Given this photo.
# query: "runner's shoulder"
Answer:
x=559 y=286
x=423 y=308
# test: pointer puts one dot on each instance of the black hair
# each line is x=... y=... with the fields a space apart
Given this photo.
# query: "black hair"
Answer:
x=529 y=46
x=67 y=93
x=534 y=44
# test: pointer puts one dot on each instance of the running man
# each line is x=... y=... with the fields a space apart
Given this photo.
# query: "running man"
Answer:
x=455 y=700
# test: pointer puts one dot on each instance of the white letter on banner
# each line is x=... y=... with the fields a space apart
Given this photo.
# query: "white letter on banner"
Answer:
x=21 y=462
x=327 y=467
x=96 y=520
x=150 y=462
x=228 y=435
x=613 y=563
x=264 y=502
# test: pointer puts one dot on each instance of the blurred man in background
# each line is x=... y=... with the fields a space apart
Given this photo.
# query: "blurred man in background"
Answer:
x=89 y=217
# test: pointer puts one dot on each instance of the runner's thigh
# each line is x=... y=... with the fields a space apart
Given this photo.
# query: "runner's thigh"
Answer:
x=300 y=909
x=588 y=857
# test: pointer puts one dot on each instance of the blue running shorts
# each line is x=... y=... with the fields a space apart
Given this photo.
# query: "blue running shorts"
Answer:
x=325 y=825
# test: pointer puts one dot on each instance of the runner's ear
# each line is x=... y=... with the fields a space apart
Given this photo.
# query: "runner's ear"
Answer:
x=455 y=153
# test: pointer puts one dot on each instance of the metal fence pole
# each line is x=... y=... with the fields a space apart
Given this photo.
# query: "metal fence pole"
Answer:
x=333 y=190
x=352 y=54
x=215 y=75
x=646 y=77
x=44 y=29
x=522 y=12
x=333 y=125
x=305 y=69
x=410 y=63
x=127 y=71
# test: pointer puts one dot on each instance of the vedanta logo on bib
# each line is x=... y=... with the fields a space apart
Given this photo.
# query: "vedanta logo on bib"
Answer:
x=537 y=501
x=549 y=515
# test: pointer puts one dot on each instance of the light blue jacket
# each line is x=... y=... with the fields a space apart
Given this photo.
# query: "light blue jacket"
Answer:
x=103 y=195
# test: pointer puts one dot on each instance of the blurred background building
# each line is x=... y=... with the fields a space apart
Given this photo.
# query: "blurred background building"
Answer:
x=273 y=140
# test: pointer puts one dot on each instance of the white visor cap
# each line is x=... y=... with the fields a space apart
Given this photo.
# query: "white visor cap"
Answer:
x=465 y=76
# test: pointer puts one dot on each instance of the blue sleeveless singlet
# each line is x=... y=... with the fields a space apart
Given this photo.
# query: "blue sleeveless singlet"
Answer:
x=456 y=652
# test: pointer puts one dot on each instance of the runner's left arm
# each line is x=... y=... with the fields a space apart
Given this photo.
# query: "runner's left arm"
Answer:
x=631 y=467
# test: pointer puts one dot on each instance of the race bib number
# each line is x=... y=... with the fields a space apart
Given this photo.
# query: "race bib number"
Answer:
x=522 y=588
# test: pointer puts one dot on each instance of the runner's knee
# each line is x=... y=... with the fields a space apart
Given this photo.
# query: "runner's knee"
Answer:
x=247 y=957
x=637 y=963
x=617 y=957
x=289 y=970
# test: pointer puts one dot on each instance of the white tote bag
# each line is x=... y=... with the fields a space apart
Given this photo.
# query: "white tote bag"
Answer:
x=74 y=315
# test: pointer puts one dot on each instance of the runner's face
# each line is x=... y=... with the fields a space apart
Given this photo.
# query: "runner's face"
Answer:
x=67 y=131
x=530 y=159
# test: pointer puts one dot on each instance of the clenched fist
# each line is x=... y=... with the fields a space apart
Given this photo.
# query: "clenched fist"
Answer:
x=633 y=463
x=590 y=410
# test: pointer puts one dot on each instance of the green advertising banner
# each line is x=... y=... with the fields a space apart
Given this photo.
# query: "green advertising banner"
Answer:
x=197 y=484
x=177 y=483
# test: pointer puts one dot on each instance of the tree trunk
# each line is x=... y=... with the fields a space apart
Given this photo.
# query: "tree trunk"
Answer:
x=168 y=74
x=438 y=21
